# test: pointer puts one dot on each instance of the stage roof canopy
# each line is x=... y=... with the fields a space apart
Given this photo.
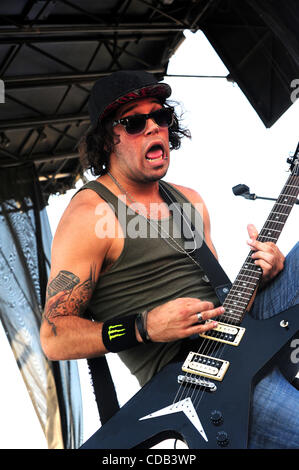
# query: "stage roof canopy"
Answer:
x=52 y=51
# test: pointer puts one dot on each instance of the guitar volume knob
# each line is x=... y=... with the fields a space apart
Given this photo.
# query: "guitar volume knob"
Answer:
x=222 y=439
x=216 y=417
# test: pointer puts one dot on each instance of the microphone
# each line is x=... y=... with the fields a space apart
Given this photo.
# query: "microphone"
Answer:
x=243 y=190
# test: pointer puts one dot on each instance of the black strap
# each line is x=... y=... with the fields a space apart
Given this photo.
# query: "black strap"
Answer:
x=104 y=389
x=103 y=385
x=202 y=255
x=213 y=270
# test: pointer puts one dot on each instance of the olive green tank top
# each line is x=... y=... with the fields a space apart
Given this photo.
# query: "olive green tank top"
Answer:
x=151 y=270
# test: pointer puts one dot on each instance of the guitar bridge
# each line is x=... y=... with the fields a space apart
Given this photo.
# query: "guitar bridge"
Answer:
x=197 y=382
x=205 y=366
x=225 y=333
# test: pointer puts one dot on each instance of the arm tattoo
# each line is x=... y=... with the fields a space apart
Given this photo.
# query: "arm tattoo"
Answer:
x=67 y=296
x=63 y=281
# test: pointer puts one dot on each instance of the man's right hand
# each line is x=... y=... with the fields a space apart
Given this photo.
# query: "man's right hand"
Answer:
x=178 y=319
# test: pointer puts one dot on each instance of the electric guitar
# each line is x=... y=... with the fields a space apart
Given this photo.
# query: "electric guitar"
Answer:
x=205 y=399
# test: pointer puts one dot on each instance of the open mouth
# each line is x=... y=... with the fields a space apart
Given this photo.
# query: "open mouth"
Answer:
x=155 y=153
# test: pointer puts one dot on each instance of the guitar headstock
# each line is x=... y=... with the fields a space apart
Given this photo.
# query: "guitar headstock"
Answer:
x=294 y=162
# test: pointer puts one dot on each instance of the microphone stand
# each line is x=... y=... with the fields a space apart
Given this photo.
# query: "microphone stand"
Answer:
x=243 y=190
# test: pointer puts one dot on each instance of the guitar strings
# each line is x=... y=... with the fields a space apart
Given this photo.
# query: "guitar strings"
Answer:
x=278 y=229
x=275 y=225
x=208 y=346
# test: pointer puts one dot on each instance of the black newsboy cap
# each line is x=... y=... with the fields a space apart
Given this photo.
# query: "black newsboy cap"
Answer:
x=109 y=92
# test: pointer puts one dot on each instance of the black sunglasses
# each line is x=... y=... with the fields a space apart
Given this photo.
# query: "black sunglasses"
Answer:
x=136 y=124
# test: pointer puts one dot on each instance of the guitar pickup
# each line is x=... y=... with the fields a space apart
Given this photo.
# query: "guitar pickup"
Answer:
x=205 y=366
x=225 y=333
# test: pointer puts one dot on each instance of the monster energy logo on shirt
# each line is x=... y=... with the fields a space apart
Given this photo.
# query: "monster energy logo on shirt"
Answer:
x=116 y=330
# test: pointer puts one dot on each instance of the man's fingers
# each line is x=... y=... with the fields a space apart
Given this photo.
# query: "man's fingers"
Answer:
x=263 y=264
x=262 y=246
x=208 y=314
x=207 y=321
x=264 y=255
x=178 y=318
x=252 y=231
x=201 y=328
x=197 y=305
x=208 y=326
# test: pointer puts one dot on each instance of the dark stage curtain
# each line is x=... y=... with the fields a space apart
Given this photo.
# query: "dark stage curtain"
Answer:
x=25 y=242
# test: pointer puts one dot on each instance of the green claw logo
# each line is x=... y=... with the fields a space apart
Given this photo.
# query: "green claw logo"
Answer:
x=114 y=331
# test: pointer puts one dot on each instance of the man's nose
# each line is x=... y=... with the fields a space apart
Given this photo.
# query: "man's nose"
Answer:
x=151 y=126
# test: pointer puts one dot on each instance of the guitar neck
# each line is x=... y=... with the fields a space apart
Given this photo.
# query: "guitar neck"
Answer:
x=247 y=280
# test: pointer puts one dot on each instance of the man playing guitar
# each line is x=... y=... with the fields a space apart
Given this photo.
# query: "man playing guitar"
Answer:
x=144 y=280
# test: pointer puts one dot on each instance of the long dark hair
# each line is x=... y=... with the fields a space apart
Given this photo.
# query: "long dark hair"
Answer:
x=98 y=143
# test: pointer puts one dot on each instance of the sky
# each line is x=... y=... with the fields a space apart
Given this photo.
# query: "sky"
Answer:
x=229 y=145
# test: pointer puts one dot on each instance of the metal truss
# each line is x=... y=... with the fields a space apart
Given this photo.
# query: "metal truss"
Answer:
x=51 y=53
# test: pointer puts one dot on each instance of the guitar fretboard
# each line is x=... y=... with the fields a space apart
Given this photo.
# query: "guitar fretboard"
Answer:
x=250 y=274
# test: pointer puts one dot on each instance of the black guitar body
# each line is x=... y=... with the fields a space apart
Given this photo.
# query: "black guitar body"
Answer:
x=223 y=414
